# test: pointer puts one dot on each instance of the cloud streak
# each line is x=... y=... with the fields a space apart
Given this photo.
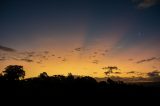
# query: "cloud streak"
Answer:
x=131 y=72
x=2 y=58
x=27 y=60
x=7 y=49
x=143 y=4
x=148 y=60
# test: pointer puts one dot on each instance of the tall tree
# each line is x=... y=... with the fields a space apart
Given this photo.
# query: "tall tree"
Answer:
x=14 y=72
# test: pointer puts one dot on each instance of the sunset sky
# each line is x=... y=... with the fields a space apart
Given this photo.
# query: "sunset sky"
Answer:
x=81 y=36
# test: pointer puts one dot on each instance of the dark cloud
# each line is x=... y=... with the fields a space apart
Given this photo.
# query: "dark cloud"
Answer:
x=130 y=59
x=155 y=73
x=26 y=60
x=95 y=52
x=107 y=73
x=27 y=54
x=2 y=58
x=30 y=54
x=64 y=60
x=94 y=72
x=117 y=73
x=136 y=73
x=141 y=61
x=46 y=52
x=38 y=62
x=106 y=50
x=111 y=68
x=147 y=60
x=7 y=49
x=103 y=54
x=59 y=57
x=154 y=76
x=77 y=49
x=153 y=58
x=142 y=4
x=131 y=72
x=94 y=56
x=141 y=74
x=22 y=59
x=44 y=57
x=14 y=58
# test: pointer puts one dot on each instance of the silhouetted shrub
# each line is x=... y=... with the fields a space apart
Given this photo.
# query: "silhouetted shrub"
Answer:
x=43 y=75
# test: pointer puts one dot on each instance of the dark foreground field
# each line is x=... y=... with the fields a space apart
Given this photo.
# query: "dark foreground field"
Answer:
x=61 y=86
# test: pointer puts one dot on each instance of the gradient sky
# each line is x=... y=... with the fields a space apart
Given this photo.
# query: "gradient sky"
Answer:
x=80 y=36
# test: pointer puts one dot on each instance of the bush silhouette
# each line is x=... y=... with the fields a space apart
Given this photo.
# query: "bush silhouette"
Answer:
x=14 y=72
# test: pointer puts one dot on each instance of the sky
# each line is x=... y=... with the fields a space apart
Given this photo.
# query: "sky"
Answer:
x=81 y=36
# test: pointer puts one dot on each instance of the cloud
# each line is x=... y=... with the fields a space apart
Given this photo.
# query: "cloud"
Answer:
x=27 y=60
x=117 y=73
x=22 y=59
x=147 y=60
x=7 y=49
x=95 y=61
x=154 y=76
x=64 y=60
x=130 y=59
x=94 y=72
x=131 y=72
x=141 y=61
x=2 y=58
x=106 y=50
x=46 y=52
x=142 y=4
x=53 y=55
x=155 y=73
x=107 y=73
x=14 y=58
x=78 y=49
x=136 y=73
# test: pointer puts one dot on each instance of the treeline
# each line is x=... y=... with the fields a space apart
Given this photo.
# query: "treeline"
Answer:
x=12 y=83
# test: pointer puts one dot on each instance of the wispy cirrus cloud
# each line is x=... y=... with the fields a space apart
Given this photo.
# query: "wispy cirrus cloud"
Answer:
x=2 y=58
x=7 y=49
x=142 y=4
x=26 y=60
x=148 y=60
x=131 y=72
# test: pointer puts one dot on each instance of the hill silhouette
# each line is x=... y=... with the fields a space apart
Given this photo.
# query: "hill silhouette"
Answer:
x=12 y=83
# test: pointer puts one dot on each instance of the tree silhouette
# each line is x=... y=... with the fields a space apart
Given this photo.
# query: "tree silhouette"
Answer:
x=14 y=72
x=1 y=77
x=110 y=81
x=70 y=76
